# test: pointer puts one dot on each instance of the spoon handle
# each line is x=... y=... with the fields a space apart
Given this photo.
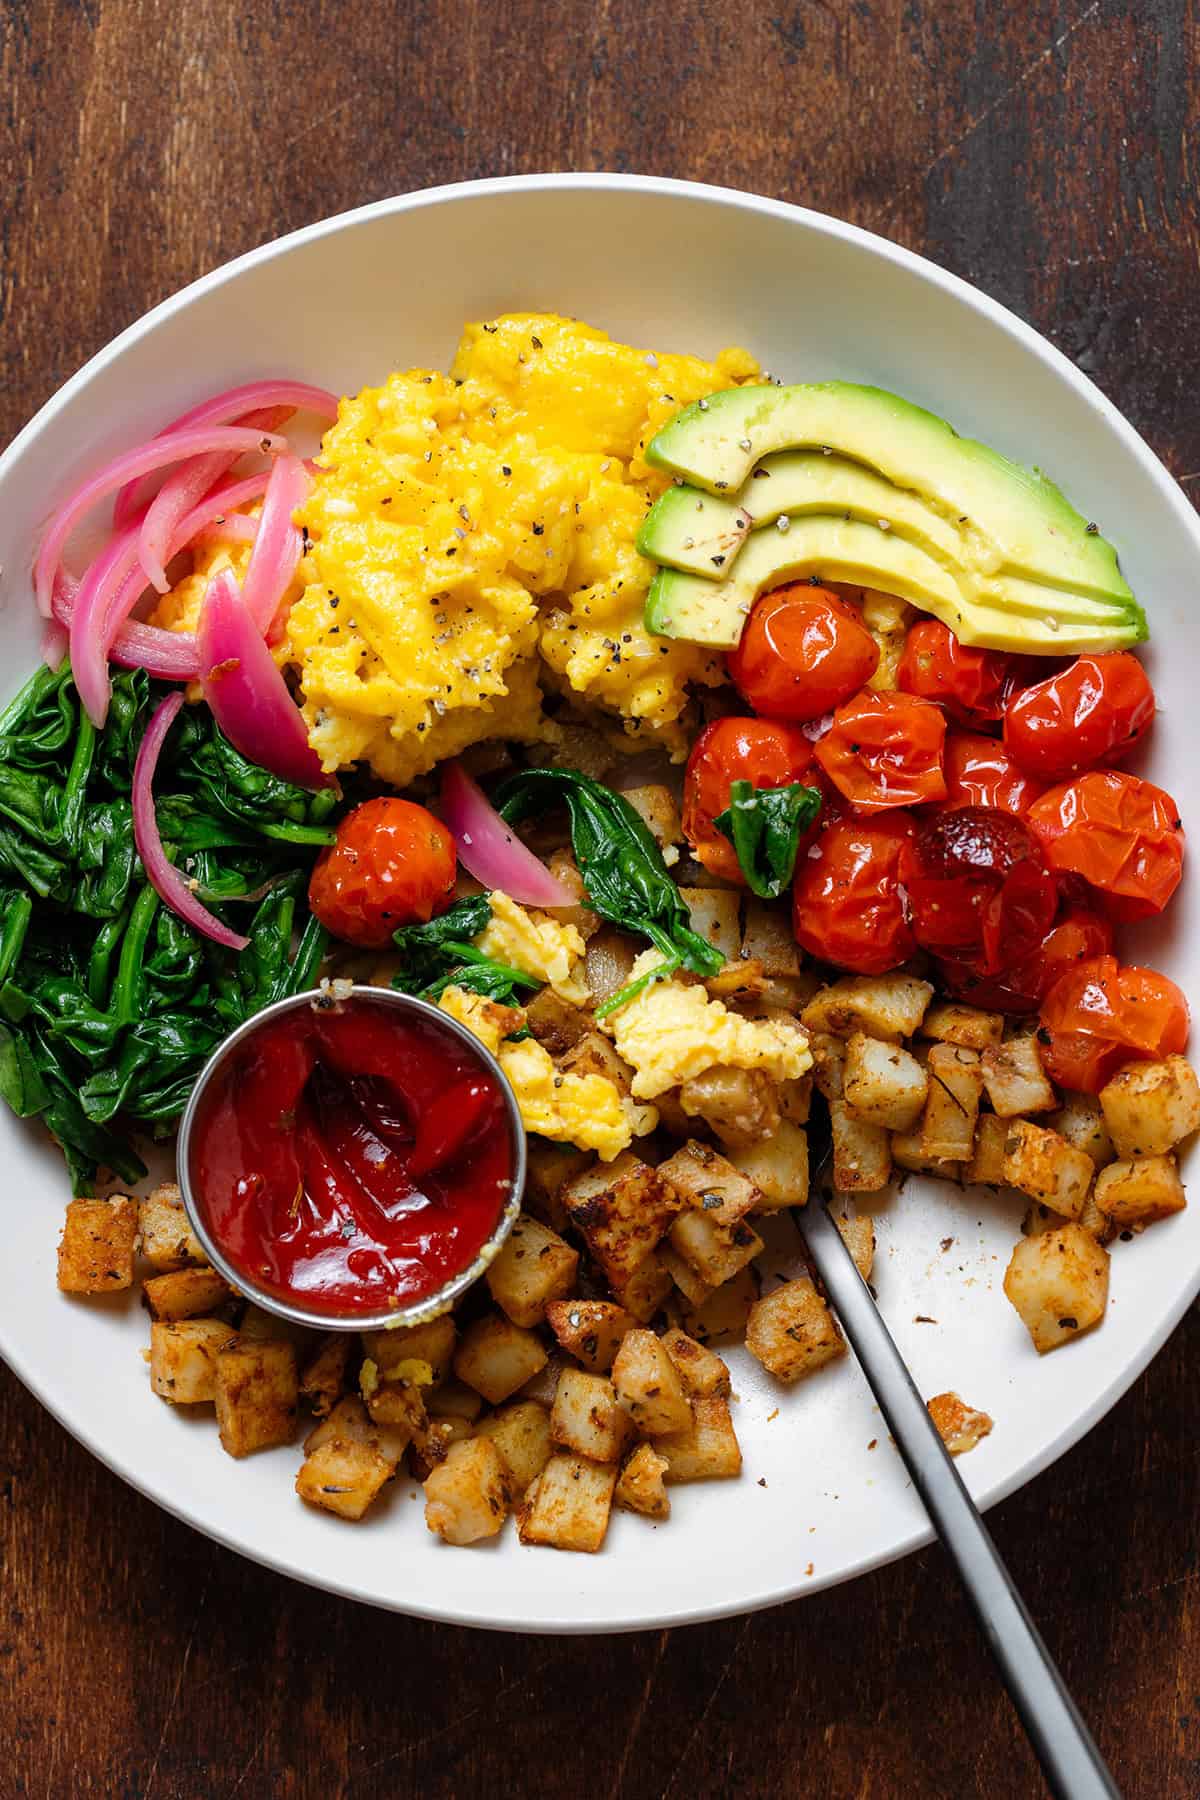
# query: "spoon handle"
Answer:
x=1073 y=1766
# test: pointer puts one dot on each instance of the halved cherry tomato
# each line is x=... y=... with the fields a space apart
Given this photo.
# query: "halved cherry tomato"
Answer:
x=885 y=750
x=393 y=864
x=802 y=652
x=1103 y=1013
x=847 y=905
x=1123 y=835
x=978 y=883
x=1021 y=984
x=760 y=751
x=969 y=684
x=980 y=772
x=1093 y=711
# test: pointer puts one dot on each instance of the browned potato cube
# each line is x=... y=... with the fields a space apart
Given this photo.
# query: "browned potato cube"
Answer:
x=594 y=1055
x=862 y=1154
x=548 y=1170
x=587 y=1418
x=497 y=1357
x=323 y=1376
x=1058 y=1282
x=708 y=1450
x=348 y=1422
x=186 y=1293
x=767 y=938
x=521 y=1433
x=168 y=1241
x=951 y=1023
x=715 y=1252
x=858 y=1234
x=829 y=1063
x=393 y=1400
x=183 y=1359
x=777 y=1166
x=791 y=1331
x=988 y=1159
x=413 y=1352
x=558 y=1026
x=343 y=1477
x=623 y=1209
x=95 y=1252
x=1014 y=1078
x=467 y=1495
x=908 y=1153
x=454 y=1400
x=882 y=1084
x=694 y=1290
x=431 y=1444
x=590 y=1330
x=740 y=1105
x=565 y=871
x=725 y=1310
x=644 y=1291
x=1137 y=1193
x=256 y=1394
x=1149 y=1107
x=1047 y=1168
x=568 y=1505
x=882 y=1006
x=610 y=957
x=647 y=1385
x=257 y=1324
x=960 y=1427
x=955 y=1084
x=703 y=1178
x=701 y=1371
x=533 y=1266
x=1080 y=1120
x=795 y=1097
x=714 y=915
x=640 y=1486
x=655 y=805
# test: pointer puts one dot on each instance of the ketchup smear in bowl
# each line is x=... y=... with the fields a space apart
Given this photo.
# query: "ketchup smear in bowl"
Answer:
x=353 y=1156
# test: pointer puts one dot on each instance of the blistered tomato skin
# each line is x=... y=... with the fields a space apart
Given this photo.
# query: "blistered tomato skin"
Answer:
x=968 y=684
x=884 y=751
x=801 y=653
x=980 y=772
x=393 y=864
x=1020 y=986
x=764 y=752
x=1123 y=835
x=1103 y=1013
x=847 y=904
x=1093 y=712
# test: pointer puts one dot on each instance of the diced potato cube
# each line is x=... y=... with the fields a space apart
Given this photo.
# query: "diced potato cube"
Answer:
x=694 y=1290
x=882 y=1084
x=908 y=1153
x=705 y=1179
x=1014 y=1078
x=952 y=1023
x=740 y=1105
x=955 y=1084
x=323 y=1376
x=623 y=1209
x=95 y=1252
x=590 y=1330
x=256 y=1393
x=648 y=1386
x=1102 y=1228
x=644 y=1291
x=587 y=1418
x=725 y=1310
x=454 y=1400
x=767 y=939
x=882 y=1006
x=655 y=806
x=497 y=1357
x=521 y=1433
x=343 y=1477
x=862 y=1154
x=1040 y=1218
x=533 y=1266
x=257 y=1325
x=701 y=1371
x=432 y=1442
x=640 y=1486
x=558 y=1025
x=795 y=1098
x=792 y=1332
x=168 y=1241
x=1137 y=1193
x=777 y=1166
x=960 y=1427
x=610 y=957
x=1047 y=1168
x=401 y=1352
x=740 y=980
x=549 y=1168
x=1080 y=1120
x=595 y=1055
x=543 y=1386
x=565 y=871
x=708 y=1450
x=829 y=1063
x=715 y=1252
x=714 y=915
x=185 y=1293
x=393 y=1400
x=467 y=1495
x=1058 y=1282
x=988 y=1158
x=786 y=994
x=183 y=1359
x=858 y=1234
x=1149 y=1107
x=349 y=1423
x=568 y=1506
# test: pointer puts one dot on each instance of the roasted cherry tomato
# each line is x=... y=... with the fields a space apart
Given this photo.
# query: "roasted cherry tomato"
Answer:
x=393 y=864
x=1103 y=1013
x=969 y=684
x=802 y=652
x=980 y=772
x=977 y=882
x=885 y=750
x=1020 y=985
x=766 y=754
x=1091 y=712
x=1123 y=835
x=847 y=905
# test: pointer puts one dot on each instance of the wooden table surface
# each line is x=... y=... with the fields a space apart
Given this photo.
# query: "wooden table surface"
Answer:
x=1046 y=150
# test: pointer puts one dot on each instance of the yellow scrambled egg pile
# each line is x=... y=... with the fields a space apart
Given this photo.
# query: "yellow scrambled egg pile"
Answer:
x=473 y=534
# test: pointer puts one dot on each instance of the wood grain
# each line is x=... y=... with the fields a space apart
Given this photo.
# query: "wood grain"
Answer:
x=1047 y=151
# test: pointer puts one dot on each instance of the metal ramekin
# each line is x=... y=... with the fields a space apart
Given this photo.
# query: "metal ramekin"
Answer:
x=416 y=1314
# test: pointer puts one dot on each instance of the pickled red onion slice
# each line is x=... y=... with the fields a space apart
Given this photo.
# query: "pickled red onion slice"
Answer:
x=491 y=850
x=248 y=695
x=183 y=489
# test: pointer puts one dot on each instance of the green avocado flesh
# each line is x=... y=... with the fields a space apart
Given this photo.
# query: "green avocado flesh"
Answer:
x=880 y=493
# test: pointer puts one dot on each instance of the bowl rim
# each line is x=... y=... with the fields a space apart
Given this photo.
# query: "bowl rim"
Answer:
x=1053 y=361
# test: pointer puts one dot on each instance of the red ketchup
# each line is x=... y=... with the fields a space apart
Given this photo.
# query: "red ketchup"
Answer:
x=351 y=1158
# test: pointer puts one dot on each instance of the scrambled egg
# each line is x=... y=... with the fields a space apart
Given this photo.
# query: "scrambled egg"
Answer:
x=537 y=945
x=584 y=1110
x=672 y=1031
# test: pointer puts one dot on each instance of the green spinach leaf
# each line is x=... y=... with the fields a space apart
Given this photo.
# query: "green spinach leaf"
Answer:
x=765 y=825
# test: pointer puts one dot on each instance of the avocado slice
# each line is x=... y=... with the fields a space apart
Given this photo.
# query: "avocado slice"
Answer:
x=703 y=533
x=1036 y=532
x=996 y=613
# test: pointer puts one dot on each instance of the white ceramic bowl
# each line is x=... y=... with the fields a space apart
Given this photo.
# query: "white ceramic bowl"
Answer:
x=659 y=263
